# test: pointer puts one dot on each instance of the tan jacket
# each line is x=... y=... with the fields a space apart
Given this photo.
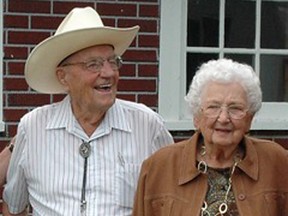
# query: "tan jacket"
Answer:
x=171 y=185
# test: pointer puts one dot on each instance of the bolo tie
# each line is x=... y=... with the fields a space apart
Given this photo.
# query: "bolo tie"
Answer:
x=85 y=151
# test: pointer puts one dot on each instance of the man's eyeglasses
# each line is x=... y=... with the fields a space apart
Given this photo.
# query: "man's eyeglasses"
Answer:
x=234 y=111
x=96 y=64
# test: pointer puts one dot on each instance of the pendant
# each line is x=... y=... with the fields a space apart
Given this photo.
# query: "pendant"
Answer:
x=202 y=167
x=204 y=211
x=85 y=150
x=223 y=208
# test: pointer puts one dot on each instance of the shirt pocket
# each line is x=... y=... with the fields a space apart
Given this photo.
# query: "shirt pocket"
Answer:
x=162 y=206
x=126 y=180
x=276 y=203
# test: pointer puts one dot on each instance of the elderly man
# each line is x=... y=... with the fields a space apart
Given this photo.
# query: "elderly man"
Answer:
x=81 y=155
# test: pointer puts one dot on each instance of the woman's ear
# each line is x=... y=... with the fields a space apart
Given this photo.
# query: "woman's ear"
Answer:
x=249 y=119
x=196 y=121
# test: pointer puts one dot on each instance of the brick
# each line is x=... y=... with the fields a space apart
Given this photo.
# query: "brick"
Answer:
x=58 y=97
x=15 y=21
x=148 y=41
x=29 y=6
x=14 y=115
x=15 y=52
x=44 y=22
x=16 y=68
x=12 y=129
x=148 y=70
x=129 y=97
x=4 y=38
x=137 y=85
x=15 y=84
x=149 y=11
x=30 y=100
x=109 y=21
x=127 y=70
x=64 y=7
x=26 y=37
x=113 y=9
x=4 y=100
x=149 y=100
x=141 y=55
x=146 y=25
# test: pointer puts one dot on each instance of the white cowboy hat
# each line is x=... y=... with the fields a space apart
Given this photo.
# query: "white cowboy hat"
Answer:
x=80 y=29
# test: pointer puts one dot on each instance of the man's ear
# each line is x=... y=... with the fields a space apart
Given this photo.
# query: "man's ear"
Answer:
x=61 y=75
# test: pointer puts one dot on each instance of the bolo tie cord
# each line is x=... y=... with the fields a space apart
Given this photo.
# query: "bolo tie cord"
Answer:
x=85 y=151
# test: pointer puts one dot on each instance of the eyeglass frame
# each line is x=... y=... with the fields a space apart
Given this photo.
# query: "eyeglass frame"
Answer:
x=228 y=110
x=85 y=64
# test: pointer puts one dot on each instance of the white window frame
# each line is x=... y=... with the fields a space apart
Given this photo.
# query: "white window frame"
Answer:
x=2 y=124
x=172 y=70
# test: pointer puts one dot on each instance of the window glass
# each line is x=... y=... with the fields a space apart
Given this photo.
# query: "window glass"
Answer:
x=274 y=24
x=203 y=23
x=240 y=24
x=274 y=78
x=194 y=60
x=242 y=58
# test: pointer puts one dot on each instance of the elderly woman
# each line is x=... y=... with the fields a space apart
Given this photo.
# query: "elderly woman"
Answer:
x=219 y=170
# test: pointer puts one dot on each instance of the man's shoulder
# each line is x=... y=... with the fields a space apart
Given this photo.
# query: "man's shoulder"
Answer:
x=44 y=110
x=134 y=106
x=171 y=151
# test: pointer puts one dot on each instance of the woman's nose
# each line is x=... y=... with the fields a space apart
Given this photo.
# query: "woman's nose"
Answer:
x=223 y=115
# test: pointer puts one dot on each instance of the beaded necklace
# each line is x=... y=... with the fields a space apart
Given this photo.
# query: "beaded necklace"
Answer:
x=203 y=167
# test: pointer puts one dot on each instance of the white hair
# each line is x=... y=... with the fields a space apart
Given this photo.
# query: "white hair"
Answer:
x=225 y=71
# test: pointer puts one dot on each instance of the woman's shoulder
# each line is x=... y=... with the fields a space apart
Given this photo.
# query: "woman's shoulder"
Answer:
x=267 y=147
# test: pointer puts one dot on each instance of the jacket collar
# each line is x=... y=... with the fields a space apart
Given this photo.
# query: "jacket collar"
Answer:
x=250 y=164
x=189 y=171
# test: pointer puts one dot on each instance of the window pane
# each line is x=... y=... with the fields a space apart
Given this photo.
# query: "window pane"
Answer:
x=274 y=24
x=240 y=24
x=242 y=58
x=194 y=60
x=203 y=23
x=274 y=78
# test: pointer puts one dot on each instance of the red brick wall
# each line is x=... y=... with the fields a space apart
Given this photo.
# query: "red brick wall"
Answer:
x=27 y=22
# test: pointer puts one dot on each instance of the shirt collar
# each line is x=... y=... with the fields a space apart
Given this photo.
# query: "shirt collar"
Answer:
x=189 y=171
x=63 y=117
x=117 y=117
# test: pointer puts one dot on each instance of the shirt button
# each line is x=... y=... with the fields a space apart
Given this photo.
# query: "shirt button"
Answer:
x=241 y=197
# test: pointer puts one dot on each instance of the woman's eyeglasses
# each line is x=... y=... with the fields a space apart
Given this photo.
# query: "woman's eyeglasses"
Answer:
x=234 y=111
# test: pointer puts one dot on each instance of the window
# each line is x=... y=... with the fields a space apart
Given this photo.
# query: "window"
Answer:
x=250 y=31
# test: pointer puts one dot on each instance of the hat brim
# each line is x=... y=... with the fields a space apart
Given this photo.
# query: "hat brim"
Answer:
x=40 y=67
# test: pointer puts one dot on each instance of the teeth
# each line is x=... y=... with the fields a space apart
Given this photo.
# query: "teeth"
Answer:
x=104 y=86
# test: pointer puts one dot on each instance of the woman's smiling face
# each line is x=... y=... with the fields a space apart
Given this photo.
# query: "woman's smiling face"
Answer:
x=223 y=130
